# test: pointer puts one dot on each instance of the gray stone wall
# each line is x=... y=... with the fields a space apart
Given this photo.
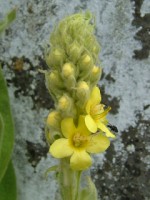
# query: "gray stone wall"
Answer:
x=123 y=30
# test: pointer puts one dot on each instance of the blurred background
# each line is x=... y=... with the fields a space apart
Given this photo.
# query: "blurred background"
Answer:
x=123 y=30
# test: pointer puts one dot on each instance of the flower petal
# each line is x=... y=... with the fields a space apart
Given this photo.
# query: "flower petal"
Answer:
x=98 y=143
x=104 y=128
x=88 y=106
x=82 y=128
x=90 y=124
x=68 y=127
x=80 y=160
x=95 y=96
x=61 y=148
x=95 y=99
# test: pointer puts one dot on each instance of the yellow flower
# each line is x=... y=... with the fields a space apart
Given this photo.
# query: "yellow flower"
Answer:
x=96 y=115
x=78 y=142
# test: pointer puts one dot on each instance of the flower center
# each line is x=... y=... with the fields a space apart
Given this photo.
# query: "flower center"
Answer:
x=79 y=140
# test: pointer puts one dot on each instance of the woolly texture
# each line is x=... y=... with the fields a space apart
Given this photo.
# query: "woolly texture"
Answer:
x=72 y=60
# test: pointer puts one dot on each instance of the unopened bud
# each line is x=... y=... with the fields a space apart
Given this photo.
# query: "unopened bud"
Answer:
x=66 y=106
x=96 y=49
x=74 y=51
x=68 y=76
x=54 y=84
x=55 y=79
x=96 y=71
x=86 y=60
x=55 y=58
x=63 y=103
x=83 y=90
x=85 y=65
x=67 y=70
x=53 y=119
x=95 y=74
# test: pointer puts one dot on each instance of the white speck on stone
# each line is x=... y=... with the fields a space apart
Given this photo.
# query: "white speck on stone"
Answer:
x=131 y=148
x=146 y=160
x=96 y=176
x=114 y=160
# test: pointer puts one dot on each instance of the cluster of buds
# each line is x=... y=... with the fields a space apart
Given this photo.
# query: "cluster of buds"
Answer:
x=71 y=80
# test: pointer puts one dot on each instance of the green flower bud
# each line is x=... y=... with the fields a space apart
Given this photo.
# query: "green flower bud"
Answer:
x=74 y=51
x=83 y=91
x=56 y=58
x=96 y=49
x=68 y=75
x=66 y=106
x=64 y=103
x=53 y=119
x=67 y=70
x=55 y=79
x=54 y=84
x=95 y=75
x=85 y=66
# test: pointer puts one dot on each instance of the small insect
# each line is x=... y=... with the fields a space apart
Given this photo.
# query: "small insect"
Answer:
x=113 y=128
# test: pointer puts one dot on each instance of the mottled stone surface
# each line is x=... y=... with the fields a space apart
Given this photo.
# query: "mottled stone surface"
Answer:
x=123 y=29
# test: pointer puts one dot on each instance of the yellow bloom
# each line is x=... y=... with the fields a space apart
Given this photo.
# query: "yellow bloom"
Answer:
x=96 y=115
x=78 y=142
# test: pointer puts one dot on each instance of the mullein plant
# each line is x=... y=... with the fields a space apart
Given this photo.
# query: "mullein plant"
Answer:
x=77 y=127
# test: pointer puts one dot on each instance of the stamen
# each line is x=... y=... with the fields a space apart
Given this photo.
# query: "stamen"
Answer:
x=79 y=140
x=103 y=114
x=96 y=109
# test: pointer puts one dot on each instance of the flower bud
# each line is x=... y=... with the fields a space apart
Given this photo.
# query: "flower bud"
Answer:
x=96 y=49
x=83 y=91
x=67 y=70
x=68 y=75
x=74 y=51
x=55 y=58
x=85 y=65
x=53 y=119
x=95 y=75
x=55 y=79
x=66 y=106
x=86 y=60
x=54 y=84
x=64 y=103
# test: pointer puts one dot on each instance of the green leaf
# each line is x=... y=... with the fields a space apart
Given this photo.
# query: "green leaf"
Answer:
x=1 y=131
x=8 y=189
x=8 y=128
x=9 y=18
x=89 y=192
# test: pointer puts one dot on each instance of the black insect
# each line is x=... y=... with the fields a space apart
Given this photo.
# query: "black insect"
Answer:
x=113 y=128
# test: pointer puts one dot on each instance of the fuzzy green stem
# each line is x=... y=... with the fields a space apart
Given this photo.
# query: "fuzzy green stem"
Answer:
x=69 y=181
x=78 y=184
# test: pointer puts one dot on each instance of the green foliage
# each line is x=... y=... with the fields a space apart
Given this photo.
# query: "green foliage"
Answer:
x=7 y=175
x=89 y=192
x=1 y=131
x=7 y=127
x=9 y=18
x=8 y=184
